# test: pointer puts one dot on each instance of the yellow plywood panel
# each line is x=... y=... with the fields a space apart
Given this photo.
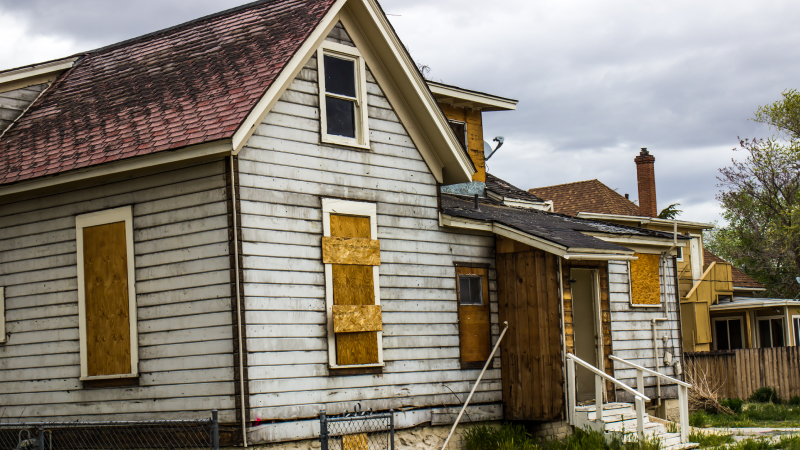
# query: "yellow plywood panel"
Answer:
x=355 y=442
x=356 y=318
x=342 y=250
x=108 y=332
x=645 y=280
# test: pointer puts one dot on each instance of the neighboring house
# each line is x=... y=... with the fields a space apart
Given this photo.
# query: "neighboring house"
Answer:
x=266 y=211
x=719 y=305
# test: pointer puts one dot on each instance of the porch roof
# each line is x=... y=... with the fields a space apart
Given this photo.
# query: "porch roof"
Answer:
x=753 y=303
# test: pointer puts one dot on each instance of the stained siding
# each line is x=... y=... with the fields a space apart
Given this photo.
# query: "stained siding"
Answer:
x=183 y=297
x=284 y=171
x=631 y=330
x=13 y=103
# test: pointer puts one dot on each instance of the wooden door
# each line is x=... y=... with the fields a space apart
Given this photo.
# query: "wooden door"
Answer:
x=527 y=289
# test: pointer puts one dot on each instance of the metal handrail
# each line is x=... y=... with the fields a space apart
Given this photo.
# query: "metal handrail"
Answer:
x=683 y=393
x=650 y=371
x=607 y=377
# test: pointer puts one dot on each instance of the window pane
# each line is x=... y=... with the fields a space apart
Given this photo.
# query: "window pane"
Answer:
x=340 y=76
x=722 y=335
x=460 y=129
x=764 y=334
x=735 y=333
x=777 y=333
x=679 y=253
x=340 y=116
x=796 y=322
x=470 y=290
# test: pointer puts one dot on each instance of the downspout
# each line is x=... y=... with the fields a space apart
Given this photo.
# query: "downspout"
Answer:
x=680 y=319
x=654 y=320
x=563 y=332
x=238 y=303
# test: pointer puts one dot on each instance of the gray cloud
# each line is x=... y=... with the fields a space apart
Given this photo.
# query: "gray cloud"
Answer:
x=595 y=80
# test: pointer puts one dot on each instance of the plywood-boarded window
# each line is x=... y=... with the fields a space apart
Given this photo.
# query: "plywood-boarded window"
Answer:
x=106 y=294
x=351 y=254
x=645 y=280
x=474 y=316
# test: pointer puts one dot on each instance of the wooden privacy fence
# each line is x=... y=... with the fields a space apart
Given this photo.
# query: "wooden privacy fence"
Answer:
x=738 y=373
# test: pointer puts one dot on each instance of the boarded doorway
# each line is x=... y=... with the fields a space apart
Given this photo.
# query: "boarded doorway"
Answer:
x=585 y=320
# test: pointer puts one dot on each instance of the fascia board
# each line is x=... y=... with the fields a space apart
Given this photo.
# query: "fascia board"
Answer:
x=525 y=238
x=426 y=122
x=653 y=241
x=222 y=147
x=285 y=78
x=36 y=71
x=643 y=220
x=483 y=101
x=752 y=305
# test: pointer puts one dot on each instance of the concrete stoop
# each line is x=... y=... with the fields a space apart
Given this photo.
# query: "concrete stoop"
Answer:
x=619 y=420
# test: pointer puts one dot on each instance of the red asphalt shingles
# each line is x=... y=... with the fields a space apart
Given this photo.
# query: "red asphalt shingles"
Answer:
x=185 y=85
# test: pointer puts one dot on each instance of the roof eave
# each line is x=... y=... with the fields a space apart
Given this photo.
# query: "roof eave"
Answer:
x=34 y=74
x=644 y=219
x=472 y=99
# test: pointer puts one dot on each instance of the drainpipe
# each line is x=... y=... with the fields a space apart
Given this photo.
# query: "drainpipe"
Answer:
x=242 y=354
x=655 y=320
x=655 y=354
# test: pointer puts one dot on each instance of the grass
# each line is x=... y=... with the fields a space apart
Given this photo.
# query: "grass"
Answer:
x=767 y=415
x=515 y=437
x=710 y=440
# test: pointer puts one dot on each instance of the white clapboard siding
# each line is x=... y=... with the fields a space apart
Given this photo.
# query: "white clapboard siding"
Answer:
x=182 y=268
x=13 y=103
x=631 y=331
x=284 y=173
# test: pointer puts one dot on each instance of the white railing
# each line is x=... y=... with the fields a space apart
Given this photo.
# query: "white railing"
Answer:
x=683 y=393
x=639 y=397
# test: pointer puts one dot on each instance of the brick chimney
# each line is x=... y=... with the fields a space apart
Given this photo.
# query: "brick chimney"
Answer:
x=646 y=178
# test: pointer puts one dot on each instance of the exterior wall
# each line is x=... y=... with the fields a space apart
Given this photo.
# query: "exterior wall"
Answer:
x=631 y=328
x=183 y=296
x=284 y=172
x=474 y=121
x=13 y=103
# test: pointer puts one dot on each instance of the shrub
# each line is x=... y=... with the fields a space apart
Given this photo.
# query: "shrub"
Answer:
x=699 y=419
x=735 y=404
x=794 y=401
x=505 y=437
x=710 y=440
x=765 y=395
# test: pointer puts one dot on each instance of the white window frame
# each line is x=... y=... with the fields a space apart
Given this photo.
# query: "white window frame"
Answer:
x=661 y=287
x=679 y=254
x=770 y=318
x=361 y=114
x=123 y=214
x=349 y=208
x=714 y=321
x=2 y=315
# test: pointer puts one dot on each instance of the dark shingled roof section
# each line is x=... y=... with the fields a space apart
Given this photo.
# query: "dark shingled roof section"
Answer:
x=186 y=85
x=556 y=228
x=589 y=196
x=506 y=189
x=740 y=279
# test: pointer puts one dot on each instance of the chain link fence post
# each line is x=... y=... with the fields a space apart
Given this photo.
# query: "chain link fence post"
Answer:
x=214 y=429
x=41 y=437
x=323 y=430
x=391 y=429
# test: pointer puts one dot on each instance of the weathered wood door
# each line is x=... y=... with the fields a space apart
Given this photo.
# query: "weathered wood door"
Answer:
x=527 y=288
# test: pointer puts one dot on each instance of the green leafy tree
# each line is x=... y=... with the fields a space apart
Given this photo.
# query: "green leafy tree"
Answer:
x=671 y=212
x=761 y=200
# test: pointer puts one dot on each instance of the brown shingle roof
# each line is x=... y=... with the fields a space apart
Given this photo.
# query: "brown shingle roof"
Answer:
x=185 y=85
x=506 y=189
x=590 y=196
x=740 y=279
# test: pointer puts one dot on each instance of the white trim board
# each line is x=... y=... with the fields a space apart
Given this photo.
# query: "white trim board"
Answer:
x=34 y=72
x=123 y=214
x=349 y=208
x=2 y=314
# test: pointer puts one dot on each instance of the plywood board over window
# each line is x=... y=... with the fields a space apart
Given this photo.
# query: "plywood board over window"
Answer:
x=107 y=294
x=474 y=316
x=351 y=254
x=645 y=280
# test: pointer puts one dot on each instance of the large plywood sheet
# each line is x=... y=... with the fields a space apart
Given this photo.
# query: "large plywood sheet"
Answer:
x=645 y=280
x=359 y=251
x=356 y=318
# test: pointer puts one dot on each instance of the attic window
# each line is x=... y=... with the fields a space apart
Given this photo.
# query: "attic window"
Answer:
x=342 y=87
x=460 y=129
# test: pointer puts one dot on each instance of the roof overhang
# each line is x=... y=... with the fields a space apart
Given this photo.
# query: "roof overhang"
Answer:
x=756 y=303
x=749 y=289
x=34 y=74
x=534 y=241
x=470 y=99
x=666 y=242
x=399 y=78
x=645 y=220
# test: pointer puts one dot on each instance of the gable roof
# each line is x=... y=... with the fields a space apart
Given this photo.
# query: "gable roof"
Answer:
x=740 y=279
x=185 y=85
x=590 y=196
x=508 y=190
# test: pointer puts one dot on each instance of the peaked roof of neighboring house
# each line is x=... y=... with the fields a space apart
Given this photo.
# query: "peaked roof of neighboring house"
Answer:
x=508 y=190
x=590 y=196
x=185 y=85
x=740 y=279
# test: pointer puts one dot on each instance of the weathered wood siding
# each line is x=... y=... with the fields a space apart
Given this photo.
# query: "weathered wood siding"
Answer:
x=13 y=103
x=183 y=296
x=631 y=332
x=284 y=171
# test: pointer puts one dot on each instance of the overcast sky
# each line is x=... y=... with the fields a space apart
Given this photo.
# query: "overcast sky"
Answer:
x=595 y=80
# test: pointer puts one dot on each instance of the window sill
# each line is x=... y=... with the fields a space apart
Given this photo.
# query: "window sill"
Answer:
x=110 y=377
x=647 y=306
x=343 y=141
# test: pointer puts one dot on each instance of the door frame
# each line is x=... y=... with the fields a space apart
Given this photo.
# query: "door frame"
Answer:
x=597 y=315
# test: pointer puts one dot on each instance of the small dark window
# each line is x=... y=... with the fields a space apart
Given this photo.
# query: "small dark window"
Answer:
x=729 y=334
x=470 y=290
x=735 y=330
x=723 y=342
x=340 y=98
x=679 y=250
x=777 y=333
x=460 y=129
x=796 y=323
x=770 y=333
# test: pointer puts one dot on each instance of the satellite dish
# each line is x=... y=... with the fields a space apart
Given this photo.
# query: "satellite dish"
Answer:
x=487 y=148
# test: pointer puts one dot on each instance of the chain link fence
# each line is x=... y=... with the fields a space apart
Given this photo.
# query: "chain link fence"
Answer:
x=357 y=431
x=157 y=434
